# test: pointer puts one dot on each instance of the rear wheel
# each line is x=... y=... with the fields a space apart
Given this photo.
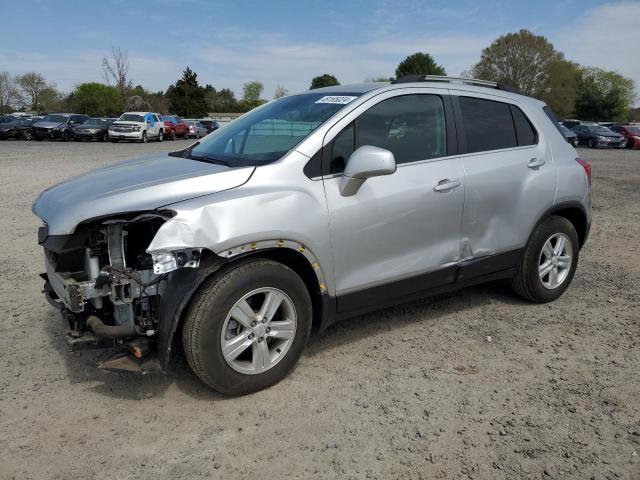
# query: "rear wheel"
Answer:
x=247 y=327
x=549 y=261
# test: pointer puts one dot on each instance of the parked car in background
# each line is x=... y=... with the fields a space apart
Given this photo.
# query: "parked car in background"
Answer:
x=7 y=118
x=16 y=127
x=596 y=136
x=196 y=129
x=57 y=126
x=19 y=128
x=630 y=132
x=569 y=134
x=210 y=125
x=570 y=123
x=93 y=129
x=137 y=126
x=176 y=127
x=313 y=208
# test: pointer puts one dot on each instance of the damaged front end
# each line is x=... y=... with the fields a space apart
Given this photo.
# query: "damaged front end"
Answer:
x=111 y=290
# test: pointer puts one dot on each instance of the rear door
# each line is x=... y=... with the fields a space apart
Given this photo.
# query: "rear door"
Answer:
x=510 y=177
x=400 y=233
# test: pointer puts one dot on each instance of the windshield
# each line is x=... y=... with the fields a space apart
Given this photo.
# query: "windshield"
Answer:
x=267 y=133
x=602 y=129
x=168 y=118
x=95 y=121
x=55 y=118
x=131 y=117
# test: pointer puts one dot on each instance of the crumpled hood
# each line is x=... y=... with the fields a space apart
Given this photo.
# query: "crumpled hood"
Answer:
x=144 y=183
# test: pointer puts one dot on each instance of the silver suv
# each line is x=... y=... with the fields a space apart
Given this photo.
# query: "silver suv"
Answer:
x=310 y=209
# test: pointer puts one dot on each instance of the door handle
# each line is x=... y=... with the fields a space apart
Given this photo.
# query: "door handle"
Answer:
x=535 y=163
x=446 y=185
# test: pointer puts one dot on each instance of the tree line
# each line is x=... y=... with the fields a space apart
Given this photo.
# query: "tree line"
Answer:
x=522 y=60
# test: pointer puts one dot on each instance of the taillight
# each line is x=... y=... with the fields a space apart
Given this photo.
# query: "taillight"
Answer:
x=587 y=168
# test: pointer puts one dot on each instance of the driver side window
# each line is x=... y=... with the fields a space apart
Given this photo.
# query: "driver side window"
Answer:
x=412 y=127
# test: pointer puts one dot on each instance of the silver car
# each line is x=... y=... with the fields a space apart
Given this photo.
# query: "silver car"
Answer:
x=196 y=129
x=307 y=210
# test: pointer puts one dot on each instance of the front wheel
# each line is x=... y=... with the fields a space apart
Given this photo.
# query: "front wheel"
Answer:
x=143 y=139
x=591 y=143
x=65 y=136
x=246 y=327
x=160 y=136
x=549 y=261
x=26 y=135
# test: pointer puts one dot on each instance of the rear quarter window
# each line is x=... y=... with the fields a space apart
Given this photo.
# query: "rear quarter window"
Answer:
x=525 y=132
x=488 y=124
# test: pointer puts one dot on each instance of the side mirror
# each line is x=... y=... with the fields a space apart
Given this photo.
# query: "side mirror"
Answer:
x=365 y=162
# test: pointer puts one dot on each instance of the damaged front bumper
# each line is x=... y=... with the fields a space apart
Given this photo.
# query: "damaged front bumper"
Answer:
x=110 y=290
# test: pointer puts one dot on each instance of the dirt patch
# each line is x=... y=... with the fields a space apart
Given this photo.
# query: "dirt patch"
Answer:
x=475 y=384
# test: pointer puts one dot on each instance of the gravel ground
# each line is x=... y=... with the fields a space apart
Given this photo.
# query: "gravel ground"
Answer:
x=476 y=384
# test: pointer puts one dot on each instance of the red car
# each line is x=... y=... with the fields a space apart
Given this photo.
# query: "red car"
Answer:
x=174 y=127
x=630 y=132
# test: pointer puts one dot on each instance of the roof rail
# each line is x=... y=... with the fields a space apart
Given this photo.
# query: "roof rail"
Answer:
x=445 y=79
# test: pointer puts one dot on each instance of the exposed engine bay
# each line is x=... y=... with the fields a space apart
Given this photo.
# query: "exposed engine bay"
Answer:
x=108 y=286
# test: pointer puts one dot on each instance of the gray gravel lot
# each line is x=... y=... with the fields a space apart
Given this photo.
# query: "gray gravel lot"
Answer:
x=413 y=392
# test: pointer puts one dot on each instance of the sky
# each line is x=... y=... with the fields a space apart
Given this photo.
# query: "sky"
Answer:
x=286 y=42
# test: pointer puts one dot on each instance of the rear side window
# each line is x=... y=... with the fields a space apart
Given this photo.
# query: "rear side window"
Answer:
x=488 y=124
x=525 y=132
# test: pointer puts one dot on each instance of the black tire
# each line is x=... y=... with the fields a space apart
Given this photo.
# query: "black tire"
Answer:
x=172 y=137
x=143 y=139
x=526 y=282
x=591 y=143
x=202 y=329
x=65 y=136
x=26 y=135
x=160 y=136
x=105 y=137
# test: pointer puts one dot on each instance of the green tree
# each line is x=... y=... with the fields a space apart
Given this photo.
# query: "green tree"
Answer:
x=561 y=91
x=603 y=95
x=325 y=80
x=522 y=60
x=186 y=97
x=96 y=99
x=419 y=64
x=32 y=84
x=251 y=96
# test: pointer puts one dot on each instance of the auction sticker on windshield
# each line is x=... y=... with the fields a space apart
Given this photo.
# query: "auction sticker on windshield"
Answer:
x=338 y=99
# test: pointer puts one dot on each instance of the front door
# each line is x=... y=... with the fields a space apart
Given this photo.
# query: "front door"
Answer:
x=400 y=233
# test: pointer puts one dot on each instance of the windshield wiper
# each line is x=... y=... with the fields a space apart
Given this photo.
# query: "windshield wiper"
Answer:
x=207 y=158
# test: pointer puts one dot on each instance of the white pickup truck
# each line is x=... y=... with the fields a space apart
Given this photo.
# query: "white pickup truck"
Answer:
x=138 y=126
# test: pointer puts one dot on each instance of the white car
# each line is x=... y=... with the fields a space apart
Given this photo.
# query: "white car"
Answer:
x=138 y=126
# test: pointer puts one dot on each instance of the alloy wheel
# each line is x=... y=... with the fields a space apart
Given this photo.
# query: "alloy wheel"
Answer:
x=258 y=331
x=555 y=260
